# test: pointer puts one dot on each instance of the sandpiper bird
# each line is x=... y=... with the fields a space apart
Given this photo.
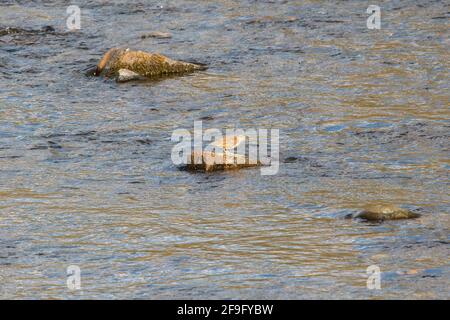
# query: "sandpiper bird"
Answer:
x=126 y=64
x=229 y=142
x=207 y=160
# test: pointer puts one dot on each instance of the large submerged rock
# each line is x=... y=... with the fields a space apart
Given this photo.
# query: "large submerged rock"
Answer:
x=385 y=212
x=210 y=161
x=126 y=65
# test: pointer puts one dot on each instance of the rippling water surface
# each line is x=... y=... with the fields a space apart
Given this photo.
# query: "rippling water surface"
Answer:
x=86 y=177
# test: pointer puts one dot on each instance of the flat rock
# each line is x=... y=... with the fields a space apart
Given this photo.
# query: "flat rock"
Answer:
x=209 y=161
x=157 y=34
x=385 y=212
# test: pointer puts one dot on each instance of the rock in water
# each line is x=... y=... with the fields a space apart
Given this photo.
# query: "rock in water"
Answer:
x=142 y=63
x=209 y=161
x=386 y=212
x=157 y=34
x=127 y=75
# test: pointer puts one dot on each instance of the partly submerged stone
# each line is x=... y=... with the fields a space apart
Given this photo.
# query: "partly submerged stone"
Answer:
x=157 y=34
x=210 y=161
x=385 y=212
x=144 y=64
x=12 y=30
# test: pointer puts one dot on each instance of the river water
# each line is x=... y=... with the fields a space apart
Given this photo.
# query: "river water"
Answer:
x=86 y=177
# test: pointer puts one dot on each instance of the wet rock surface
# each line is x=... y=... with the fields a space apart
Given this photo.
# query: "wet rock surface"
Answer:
x=157 y=35
x=22 y=31
x=126 y=65
x=210 y=162
x=385 y=212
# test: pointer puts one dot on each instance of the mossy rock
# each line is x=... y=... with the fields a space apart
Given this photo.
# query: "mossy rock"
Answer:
x=119 y=61
x=385 y=212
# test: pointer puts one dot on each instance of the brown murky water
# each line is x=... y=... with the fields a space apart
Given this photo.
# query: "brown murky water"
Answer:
x=86 y=177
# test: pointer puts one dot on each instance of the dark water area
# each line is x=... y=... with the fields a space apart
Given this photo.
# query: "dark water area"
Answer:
x=86 y=176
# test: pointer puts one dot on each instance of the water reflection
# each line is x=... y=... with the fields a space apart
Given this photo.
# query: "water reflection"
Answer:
x=86 y=176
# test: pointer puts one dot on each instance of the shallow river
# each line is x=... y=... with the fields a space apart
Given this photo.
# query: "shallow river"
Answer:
x=86 y=176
